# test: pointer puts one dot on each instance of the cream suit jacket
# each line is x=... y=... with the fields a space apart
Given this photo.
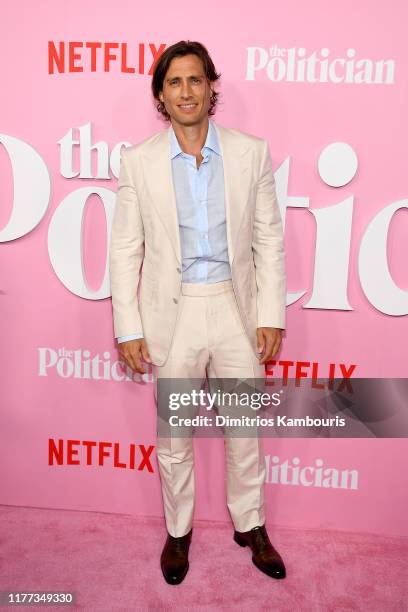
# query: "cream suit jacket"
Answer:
x=145 y=242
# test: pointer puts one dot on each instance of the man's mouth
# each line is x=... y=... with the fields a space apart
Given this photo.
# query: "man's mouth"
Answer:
x=187 y=106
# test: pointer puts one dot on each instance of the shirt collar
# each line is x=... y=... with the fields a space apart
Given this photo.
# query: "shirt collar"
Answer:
x=211 y=142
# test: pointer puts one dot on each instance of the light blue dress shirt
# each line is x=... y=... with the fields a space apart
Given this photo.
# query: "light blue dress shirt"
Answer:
x=201 y=213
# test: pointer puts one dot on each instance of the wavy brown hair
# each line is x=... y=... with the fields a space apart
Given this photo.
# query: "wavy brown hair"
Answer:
x=179 y=49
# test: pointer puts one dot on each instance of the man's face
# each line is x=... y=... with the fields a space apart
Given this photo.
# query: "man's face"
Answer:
x=186 y=92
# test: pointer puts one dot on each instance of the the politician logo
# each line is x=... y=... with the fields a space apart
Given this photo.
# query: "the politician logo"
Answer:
x=291 y=472
x=297 y=65
x=83 y=364
x=337 y=166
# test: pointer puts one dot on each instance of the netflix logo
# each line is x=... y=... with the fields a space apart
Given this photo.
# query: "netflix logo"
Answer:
x=91 y=56
x=332 y=376
x=311 y=371
x=76 y=452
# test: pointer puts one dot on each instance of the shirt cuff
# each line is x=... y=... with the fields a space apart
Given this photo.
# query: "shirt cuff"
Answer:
x=130 y=337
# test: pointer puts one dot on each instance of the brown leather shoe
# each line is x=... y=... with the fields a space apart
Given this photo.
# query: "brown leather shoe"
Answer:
x=174 y=558
x=264 y=555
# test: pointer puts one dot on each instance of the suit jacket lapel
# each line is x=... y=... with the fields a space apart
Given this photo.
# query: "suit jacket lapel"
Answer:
x=236 y=162
x=159 y=182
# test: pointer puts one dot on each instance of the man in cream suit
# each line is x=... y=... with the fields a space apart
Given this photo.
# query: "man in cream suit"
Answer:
x=197 y=223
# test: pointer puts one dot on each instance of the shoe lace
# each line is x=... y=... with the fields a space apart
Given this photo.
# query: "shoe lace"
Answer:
x=260 y=539
x=179 y=546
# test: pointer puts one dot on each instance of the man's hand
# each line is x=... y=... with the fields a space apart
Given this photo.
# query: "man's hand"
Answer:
x=132 y=353
x=269 y=341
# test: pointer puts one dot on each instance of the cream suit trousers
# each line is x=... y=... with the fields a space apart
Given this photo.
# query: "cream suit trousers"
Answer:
x=209 y=340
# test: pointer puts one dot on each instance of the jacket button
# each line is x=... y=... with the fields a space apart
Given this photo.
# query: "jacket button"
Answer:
x=175 y=300
x=178 y=270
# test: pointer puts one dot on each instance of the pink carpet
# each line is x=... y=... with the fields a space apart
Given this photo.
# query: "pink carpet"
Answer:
x=111 y=562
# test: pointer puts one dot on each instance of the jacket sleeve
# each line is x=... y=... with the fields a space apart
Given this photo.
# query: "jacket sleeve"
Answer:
x=268 y=249
x=126 y=253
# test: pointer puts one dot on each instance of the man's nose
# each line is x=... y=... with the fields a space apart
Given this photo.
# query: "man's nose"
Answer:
x=185 y=90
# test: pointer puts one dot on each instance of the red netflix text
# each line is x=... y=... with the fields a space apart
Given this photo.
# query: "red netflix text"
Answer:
x=313 y=372
x=92 y=56
x=87 y=452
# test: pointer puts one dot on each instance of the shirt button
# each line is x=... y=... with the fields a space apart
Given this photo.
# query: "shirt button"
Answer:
x=175 y=300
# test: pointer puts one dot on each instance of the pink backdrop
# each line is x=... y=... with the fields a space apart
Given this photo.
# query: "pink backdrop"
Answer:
x=56 y=312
